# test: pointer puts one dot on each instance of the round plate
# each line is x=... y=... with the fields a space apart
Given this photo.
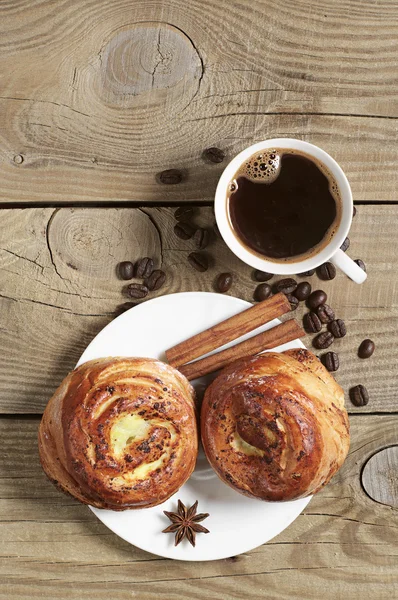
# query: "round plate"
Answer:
x=237 y=524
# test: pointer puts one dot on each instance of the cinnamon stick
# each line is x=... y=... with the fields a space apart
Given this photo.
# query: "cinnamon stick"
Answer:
x=228 y=330
x=281 y=334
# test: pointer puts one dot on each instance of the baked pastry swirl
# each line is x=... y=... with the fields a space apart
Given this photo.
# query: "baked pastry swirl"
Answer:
x=120 y=433
x=274 y=426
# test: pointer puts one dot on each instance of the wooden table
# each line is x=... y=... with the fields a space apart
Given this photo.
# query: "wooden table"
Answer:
x=96 y=99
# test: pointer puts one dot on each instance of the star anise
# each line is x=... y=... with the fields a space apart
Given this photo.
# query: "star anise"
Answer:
x=185 y=523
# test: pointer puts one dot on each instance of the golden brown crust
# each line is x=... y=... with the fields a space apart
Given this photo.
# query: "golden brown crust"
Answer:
x=274 y=426
x=120 y=433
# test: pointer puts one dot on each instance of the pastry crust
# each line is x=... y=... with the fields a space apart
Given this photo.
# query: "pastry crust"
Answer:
x=120 y=433
x=274 y=426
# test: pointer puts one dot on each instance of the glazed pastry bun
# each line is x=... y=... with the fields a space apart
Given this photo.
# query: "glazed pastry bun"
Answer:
x=274 y=426
x=120 y=433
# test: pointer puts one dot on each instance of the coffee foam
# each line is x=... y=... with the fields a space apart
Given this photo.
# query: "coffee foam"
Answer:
x=264 y=167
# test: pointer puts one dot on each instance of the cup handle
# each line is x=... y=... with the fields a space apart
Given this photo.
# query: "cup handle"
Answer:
x=348 y=266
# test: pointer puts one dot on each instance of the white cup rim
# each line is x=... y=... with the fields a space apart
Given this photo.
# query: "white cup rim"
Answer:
x=264 y=264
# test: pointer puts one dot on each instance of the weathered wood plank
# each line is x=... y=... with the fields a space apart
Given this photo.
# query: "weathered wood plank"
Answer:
x=59 y=287
x=115 y=92
x=51 y=546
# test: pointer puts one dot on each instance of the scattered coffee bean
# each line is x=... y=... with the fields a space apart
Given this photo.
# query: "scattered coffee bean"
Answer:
x=184 y=213
x=325 y=313
x=326 y=271
x=366 y=349
x=302 y=291
x=137 y=290
x=198 y=261
x=214 y=155
x=126 y=270
x=155 y=280
x=337 y=328
x=201 y=238
x=170 y=176
x=323 y=340
x=345 y=245
x=262 y=292
x=354 y=211
x=184 y=230
x=312 y=323
x=223 y=282
x=359 y=395
x=262 y=276
x=331 y=361
x=294 y=301
x=307 y=273
x=316 y=299
x=286 y=286
x=125 y=306
x=144 y=268
x=361 y=264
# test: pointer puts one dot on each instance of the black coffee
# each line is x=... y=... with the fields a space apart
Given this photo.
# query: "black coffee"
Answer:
x=283 y=204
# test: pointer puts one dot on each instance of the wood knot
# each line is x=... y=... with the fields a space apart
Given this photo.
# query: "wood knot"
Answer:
x=148 y=58
x=379 y=476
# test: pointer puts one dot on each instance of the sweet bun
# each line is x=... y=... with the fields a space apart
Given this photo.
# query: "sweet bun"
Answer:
x=274 y=426
x=120 y=433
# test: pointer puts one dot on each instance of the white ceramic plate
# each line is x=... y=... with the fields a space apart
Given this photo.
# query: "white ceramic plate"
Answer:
x=237 y=524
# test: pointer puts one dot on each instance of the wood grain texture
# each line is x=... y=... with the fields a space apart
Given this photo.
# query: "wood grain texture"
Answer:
x=380 y=476
x=59 y=287
x=344 y=544
x=98 y=97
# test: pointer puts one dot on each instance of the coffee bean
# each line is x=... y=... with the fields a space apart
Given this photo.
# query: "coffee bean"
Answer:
x=331 y=361
x=326 y=271
x=125 y=306
x=137 y=290
x=366 y=349
x=126 y=270
x=325 y=313
x=262 y=292
x=337 y=328
x=312 y=323
x=155 y=280
x=354 y=211
x=184 y=213
x=286 y=286
x=262 y=275
x=323 y=340
x=294 y=301
x=184 y=230
x=201 y=238
x=359 y=395
x=198 y=261
x=170 y=176
x=345 y=245
x=144 y=268
x=214 y=155
x=307 y=273
x=361 y=264
x=316 y=299
x=303 y=290
x=223 y=282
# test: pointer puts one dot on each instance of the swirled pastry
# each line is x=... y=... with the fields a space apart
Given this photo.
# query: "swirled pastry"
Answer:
x=120 y=433
x=274 y=426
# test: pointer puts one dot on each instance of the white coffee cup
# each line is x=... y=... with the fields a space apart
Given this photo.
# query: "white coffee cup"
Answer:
x=328 y=252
